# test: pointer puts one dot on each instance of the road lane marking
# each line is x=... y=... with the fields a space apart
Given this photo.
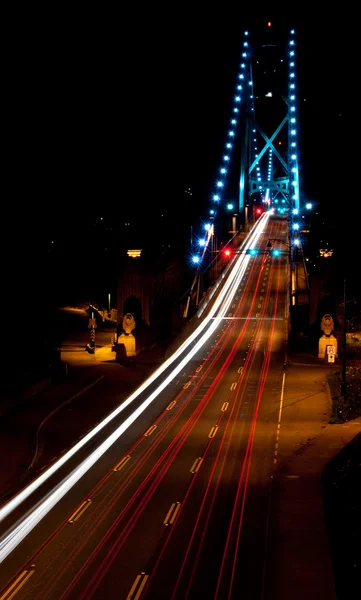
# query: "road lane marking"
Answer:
x=240 y=370
x=213 y=431
x=172 y=513
x=150 y=430
x=79 y=511
x=259 y=306
x=137 y=586
x=170 y=406
x=16 y=586
x=279 y=418
x=224 y=406
x=122 y=463
x=233 y=386
x=186 y=385
x=197 y=463
x=199 y=368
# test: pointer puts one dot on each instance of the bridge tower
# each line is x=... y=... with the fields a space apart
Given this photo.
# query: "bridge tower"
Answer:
x=263 y=133
x=268 y=121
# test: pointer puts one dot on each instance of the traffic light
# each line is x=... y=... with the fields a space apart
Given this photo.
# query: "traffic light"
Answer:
x=259 y=211
x=275 y=252
x=252 y=251
x=227 y=253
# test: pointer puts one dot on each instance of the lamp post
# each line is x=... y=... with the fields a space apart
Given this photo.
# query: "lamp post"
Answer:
x=343 y=378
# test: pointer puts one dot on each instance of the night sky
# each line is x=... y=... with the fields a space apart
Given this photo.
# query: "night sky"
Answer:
x=115 y=115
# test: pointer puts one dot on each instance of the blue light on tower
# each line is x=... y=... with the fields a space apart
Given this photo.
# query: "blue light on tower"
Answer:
x=292 y=122
x=237 y=99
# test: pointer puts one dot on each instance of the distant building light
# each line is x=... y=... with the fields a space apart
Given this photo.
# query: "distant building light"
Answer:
x=325 y=253
x=134 y=253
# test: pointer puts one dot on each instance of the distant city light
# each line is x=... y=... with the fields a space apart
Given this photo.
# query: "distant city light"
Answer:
x=134 y=253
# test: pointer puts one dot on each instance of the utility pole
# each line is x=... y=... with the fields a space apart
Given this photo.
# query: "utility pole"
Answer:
x=343 y=380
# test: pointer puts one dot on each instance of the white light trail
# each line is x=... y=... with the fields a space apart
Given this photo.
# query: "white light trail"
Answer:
x=15 y=536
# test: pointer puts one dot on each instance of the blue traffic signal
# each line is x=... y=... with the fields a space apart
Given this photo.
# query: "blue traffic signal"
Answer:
x=252 y=251
x=275 y=252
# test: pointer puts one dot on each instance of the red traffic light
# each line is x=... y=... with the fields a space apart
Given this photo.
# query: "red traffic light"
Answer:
x=227 y=253
x=258 y=211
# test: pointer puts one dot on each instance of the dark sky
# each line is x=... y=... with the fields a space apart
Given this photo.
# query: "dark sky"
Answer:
x=122 y=110
x=116 y=113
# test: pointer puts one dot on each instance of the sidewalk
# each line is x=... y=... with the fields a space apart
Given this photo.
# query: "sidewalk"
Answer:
x=299 y=558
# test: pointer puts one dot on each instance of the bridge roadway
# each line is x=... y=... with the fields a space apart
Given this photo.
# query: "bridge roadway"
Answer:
x=178 y=506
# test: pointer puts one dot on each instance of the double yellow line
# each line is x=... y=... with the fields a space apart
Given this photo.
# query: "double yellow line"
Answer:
x=172 y=513
x=16 y=586
x=79 y=511
x=138 y=586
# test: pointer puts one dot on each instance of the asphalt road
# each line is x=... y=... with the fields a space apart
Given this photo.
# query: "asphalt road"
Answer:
x=178 y=507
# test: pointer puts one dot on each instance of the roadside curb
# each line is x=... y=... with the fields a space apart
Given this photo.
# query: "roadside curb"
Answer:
x=298 y=364
x=52 y=413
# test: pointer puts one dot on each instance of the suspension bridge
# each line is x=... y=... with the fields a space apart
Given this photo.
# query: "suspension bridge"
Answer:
x=171 y=494
x=262 y=145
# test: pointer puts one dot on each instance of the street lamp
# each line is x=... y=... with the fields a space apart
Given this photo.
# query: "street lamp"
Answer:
x=344 y=378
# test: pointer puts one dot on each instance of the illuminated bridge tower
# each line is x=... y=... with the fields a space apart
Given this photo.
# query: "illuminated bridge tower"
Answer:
x=269 y=127
x=263 y=137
